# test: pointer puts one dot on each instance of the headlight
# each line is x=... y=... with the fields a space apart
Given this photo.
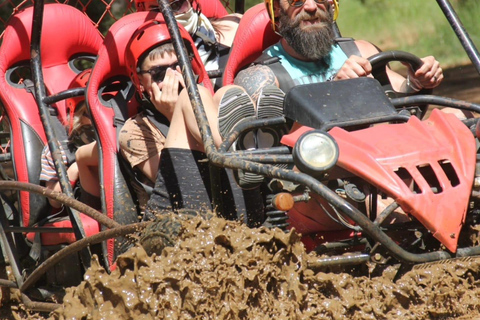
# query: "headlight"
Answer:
x=315 y=152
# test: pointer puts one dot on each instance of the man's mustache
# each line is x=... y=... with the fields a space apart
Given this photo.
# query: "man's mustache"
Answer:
x=320 y=15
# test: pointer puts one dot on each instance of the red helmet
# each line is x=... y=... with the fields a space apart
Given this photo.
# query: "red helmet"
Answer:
x=150 y=35
x=80 y=81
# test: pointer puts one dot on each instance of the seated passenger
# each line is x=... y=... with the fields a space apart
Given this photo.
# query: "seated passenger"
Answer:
x=141 y=139
x=308 y=52
x=80 y=134
x=183 y=179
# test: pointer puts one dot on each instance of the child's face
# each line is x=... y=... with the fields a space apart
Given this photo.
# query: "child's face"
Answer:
x=146 y=79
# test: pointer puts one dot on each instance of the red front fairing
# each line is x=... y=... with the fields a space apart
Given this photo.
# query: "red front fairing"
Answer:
x=436 y=153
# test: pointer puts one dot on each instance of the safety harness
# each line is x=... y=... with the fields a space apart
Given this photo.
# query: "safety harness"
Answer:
x=285 y=81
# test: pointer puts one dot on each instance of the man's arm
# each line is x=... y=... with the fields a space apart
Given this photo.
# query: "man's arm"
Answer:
x=254 y=78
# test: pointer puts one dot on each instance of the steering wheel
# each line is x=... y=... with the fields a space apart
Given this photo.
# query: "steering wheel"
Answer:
x=379 y=62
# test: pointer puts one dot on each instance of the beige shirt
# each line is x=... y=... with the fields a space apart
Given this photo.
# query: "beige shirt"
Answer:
x=140 y=140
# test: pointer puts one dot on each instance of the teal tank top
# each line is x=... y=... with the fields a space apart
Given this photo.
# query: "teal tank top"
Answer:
x=305 y=72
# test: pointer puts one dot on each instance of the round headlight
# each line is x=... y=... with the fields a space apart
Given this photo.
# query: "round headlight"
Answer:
x=315 y=152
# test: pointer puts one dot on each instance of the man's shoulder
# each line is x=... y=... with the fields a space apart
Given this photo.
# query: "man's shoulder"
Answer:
x=366 y=48
x=255 y=77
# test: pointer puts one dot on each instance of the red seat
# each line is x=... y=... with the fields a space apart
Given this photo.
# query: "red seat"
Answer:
x=254 y=34
x=108 y=115
x=59 y=48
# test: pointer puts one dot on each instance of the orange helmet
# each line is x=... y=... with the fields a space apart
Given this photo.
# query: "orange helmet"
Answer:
x=150 y=35
x=269 y=5
x=80 y=81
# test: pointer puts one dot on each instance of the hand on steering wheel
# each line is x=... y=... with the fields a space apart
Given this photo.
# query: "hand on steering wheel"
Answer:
x=379 y=63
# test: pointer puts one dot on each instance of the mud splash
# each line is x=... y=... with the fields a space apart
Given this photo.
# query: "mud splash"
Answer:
x=223 y=270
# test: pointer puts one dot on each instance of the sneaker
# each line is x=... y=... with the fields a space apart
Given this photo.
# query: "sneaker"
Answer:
x=235 y=107
x=270 y=105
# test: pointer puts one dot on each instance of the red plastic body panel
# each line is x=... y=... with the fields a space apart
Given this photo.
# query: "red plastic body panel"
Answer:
x=254 y=34
x=377 y=153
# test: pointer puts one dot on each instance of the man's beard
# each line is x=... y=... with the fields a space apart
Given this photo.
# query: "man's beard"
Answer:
x=314 y=42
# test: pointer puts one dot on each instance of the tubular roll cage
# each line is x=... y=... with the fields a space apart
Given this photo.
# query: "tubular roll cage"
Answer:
x=242 y=160
x=218 y=158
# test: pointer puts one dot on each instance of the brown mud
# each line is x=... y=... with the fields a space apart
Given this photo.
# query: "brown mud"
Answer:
x=461 y=83
x=224 y=270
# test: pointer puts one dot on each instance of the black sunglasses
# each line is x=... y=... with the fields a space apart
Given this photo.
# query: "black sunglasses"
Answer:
x=299 y=3
x=158 y=72
x=176 y=5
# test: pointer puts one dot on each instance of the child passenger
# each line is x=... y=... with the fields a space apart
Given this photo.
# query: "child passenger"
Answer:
x=175 y=162
x=81 y=140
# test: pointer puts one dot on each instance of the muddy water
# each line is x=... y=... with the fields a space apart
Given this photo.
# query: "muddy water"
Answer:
x=224 y=270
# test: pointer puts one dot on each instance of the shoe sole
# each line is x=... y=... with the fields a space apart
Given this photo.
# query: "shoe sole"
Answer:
x=235 y=107
x=269 y=105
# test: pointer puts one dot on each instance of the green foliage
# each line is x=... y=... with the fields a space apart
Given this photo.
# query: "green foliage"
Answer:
x=416 y=26
x=251 y=3
x=419 y=27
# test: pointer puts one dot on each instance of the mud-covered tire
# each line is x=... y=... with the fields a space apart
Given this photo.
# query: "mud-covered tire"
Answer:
x=165 y=230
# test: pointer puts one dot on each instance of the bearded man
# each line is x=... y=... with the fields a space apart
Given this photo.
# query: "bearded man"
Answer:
x=310 y=53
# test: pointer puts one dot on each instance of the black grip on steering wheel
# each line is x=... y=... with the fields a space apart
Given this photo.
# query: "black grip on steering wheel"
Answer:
x=381 y=59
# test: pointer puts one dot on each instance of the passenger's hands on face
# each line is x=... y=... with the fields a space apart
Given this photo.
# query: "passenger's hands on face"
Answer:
x=165 y=94
x=354 y=67
x=429 y=75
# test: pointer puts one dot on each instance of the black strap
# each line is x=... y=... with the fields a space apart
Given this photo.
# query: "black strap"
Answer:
x=158 y=119
x=29 y=86
x=206 y=39
x=36 y=248
x=284 y=79
x=217 y=75
x=348 y=46
x=210 y=45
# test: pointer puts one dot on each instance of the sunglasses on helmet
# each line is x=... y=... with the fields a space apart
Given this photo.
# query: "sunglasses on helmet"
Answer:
x=299 y=3
x=158 y=72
